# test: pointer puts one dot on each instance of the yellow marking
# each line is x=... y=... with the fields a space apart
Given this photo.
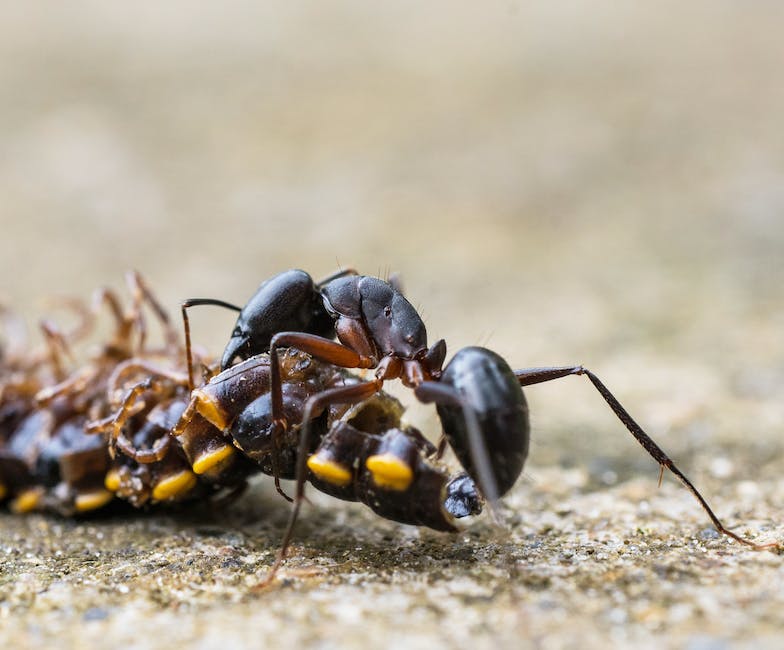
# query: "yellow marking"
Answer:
x=3 y=491
x=174 y=485
x=329 y=471
x=390 y=472
x=92 y=500
x=112 y=480
x=208 y=408
x=27 y=501
x=208 y=460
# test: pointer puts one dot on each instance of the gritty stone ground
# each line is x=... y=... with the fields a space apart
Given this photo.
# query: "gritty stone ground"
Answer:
x=578 y=566
x=599 y=185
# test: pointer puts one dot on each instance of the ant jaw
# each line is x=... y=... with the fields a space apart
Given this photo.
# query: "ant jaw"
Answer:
x=414 y=373
x=434 y=358
x=233 y=350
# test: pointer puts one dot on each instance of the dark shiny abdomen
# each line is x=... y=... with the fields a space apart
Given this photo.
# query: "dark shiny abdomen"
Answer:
x=487 y=385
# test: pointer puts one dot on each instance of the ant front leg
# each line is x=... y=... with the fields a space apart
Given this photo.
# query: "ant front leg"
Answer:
x=531 y=376
x=318 y=347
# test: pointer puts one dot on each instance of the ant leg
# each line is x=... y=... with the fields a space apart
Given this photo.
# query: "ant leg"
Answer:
x=316 y=346
x=530 y=376
x=441 y=448
x=186 y=324
x=434 y=392
x=320 y=348
x=317 y=403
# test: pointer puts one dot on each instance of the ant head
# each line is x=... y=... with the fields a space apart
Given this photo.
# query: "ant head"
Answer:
x=240 y=346
x=395 y=325
x=391 y=321
x=286 y=302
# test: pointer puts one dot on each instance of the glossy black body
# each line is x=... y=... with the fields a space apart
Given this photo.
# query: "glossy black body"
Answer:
x=343 y=435
x=68 y=439
x=371 y=317
x=291 y=302
x=288 y=301
x=392 y=323
x=433 y=498
x=55 y=456
x=252 y=431
x=367 y=456
x=487 y=385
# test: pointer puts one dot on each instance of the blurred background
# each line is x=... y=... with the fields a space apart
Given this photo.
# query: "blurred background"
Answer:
x=563 y=182
x=597 y=183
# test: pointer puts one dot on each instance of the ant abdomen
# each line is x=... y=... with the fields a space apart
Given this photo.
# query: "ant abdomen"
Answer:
x=488 y=387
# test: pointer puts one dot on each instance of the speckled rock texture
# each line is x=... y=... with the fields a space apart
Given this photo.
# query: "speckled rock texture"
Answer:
x=599 y=185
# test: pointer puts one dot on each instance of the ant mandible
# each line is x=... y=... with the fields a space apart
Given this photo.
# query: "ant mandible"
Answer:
x=479 y=398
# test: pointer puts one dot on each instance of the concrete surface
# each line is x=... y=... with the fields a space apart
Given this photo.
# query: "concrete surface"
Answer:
x=598 y=184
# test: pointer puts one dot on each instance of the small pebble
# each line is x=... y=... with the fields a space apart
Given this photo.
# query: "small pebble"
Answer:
x=95 y=614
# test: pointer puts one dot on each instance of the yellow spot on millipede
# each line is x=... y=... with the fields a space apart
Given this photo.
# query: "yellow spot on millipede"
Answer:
x=210 y=459
x=27 y=501
x=390 y=472
x=112 y=480
x=329 y=471
x=174 y=485
x=92 y=500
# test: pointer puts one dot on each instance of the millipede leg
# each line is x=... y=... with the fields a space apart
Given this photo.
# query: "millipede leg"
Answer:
x=132 y=405
x=143 y=294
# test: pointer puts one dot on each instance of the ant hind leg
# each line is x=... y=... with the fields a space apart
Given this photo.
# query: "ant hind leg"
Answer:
x=531 y=376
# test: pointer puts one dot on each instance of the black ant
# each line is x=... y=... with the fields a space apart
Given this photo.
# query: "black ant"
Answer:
x=478 y=396
x=298 y=414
